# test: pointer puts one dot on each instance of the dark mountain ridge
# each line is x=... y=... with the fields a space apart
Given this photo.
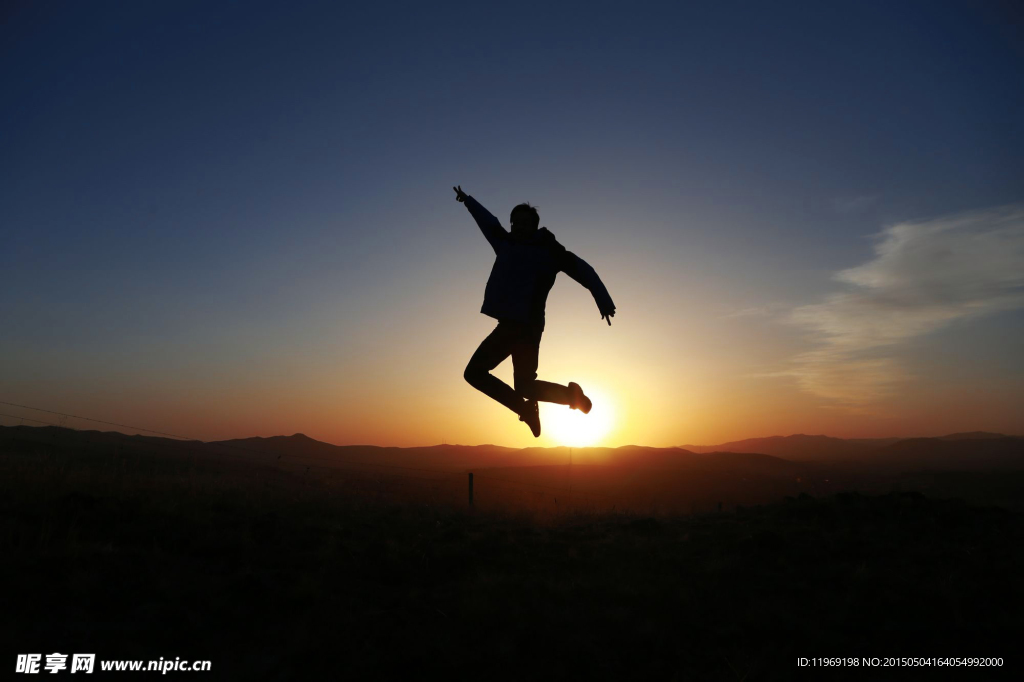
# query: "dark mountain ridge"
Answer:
x=985 y=469
x=960 y=451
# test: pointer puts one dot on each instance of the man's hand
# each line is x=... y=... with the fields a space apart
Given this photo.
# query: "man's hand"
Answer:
x=607 y=314
x=459 y=194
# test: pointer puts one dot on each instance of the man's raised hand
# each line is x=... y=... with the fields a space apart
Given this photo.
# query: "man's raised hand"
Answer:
x=459 y=194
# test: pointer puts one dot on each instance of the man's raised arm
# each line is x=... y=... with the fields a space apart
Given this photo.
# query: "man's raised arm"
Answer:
x=580 y=270
x=489 y=225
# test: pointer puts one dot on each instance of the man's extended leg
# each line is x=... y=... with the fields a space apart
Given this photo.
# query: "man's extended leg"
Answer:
x=492 y=351
x=525 y=357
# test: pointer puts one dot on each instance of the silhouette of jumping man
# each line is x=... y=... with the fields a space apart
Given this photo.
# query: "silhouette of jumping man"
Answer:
x=527 y=261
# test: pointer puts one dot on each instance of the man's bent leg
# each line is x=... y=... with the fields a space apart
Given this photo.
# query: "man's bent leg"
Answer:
x=492 y=351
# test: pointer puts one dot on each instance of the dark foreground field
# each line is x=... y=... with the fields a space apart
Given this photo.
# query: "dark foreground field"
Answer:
x=274 y=574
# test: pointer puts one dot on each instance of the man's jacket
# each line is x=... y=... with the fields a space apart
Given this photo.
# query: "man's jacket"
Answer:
x=525 y=268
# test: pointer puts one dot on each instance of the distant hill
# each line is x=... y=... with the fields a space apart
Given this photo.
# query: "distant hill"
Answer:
x=804 y=448
x=973 y=435
x=800 y=447
x=987 y=453
x=449 y=457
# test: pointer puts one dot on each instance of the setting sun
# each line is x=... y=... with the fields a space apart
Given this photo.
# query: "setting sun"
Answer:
x=575 y=429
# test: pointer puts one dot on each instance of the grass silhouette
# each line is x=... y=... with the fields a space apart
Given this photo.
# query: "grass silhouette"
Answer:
x=286 y=574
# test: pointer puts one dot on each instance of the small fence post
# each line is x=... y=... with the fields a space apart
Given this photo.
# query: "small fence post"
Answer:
x=471 y=489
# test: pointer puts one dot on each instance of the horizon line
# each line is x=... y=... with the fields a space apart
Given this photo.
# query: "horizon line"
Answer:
x=183 y=439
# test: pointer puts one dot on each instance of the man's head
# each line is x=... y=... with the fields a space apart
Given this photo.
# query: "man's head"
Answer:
x=524 y=219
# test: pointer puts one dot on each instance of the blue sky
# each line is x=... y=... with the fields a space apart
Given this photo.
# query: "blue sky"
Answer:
x=207 y=202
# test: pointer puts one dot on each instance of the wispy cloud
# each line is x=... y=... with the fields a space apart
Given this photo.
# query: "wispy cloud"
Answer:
x=924 y=275
x=767 y=310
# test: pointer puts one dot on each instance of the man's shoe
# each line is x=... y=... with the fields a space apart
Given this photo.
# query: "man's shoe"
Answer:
x=531 y=415
x=578 y=401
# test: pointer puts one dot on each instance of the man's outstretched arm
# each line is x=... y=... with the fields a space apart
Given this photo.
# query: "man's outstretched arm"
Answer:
x=580 y=270
x=489 y=225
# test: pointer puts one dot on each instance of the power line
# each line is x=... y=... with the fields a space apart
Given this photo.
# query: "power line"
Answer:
x=98 y=421
x=405 y=478
x=212 y=444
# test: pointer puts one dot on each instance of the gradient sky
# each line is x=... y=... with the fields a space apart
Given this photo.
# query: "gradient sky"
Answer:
x=225 y=219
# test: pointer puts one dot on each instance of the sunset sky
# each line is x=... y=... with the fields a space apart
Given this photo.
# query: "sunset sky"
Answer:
x=227 y=219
